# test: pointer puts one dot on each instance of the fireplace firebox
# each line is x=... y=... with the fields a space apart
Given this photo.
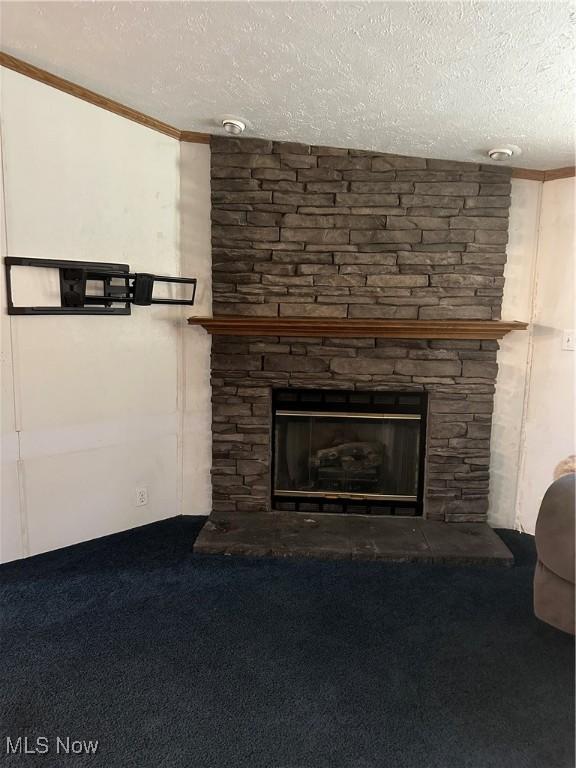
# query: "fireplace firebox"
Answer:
x=348 y=452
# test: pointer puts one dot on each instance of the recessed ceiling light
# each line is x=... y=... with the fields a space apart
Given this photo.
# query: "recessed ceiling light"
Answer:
x=500 y=154
x=233 y=126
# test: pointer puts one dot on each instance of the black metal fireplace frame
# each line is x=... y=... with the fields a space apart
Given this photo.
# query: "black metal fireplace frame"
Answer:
x=360 y=401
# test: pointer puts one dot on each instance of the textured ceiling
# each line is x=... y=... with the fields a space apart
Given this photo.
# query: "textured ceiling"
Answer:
x=438 y=79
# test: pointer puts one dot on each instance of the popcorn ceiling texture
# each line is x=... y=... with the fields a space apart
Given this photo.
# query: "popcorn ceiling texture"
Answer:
x=435 y=79
x=301 y=230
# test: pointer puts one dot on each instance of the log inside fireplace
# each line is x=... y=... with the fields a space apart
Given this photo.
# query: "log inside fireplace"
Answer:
x=349 y=452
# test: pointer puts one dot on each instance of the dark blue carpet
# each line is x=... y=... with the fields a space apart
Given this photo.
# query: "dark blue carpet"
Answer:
x=168 y=659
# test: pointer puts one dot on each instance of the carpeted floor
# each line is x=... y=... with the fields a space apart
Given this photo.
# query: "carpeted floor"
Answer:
x=169 y=659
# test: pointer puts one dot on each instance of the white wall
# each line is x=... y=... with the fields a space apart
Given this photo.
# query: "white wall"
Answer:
x=551 y=396
x=93 y=407
x=195 y=207
x=513 y=356
x=534 y=418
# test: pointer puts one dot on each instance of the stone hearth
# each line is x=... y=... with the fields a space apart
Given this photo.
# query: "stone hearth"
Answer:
x=282 y=534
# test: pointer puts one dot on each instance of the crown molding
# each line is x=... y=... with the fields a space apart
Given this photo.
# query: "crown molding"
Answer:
x=550 y=175
x=529 y=174
x=195 y=138
x=73 y=89
x=560 y=173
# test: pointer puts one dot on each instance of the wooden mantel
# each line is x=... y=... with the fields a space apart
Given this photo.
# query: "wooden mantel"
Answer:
x=314 y=327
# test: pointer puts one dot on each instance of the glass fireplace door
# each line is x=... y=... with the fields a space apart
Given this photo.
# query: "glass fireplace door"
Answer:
x=352 y=454
x=344 y=451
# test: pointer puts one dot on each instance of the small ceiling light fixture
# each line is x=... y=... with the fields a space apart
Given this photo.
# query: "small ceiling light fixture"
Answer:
x=233 y=126
x=501 y=154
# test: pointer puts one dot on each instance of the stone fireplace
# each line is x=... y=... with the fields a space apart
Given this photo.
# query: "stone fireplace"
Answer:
x=457 y=376
x=336 y=234
x=366 y=287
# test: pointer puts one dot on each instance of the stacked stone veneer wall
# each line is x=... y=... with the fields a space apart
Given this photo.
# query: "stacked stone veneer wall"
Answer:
x=315 y=231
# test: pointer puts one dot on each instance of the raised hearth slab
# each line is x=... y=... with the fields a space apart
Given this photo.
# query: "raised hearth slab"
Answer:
x=279 y=534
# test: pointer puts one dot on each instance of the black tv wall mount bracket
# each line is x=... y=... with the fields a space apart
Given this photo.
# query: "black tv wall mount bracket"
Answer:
x=116 y=284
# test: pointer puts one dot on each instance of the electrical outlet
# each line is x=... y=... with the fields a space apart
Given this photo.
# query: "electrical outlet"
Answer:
x=569 y=340
x=141 y=497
